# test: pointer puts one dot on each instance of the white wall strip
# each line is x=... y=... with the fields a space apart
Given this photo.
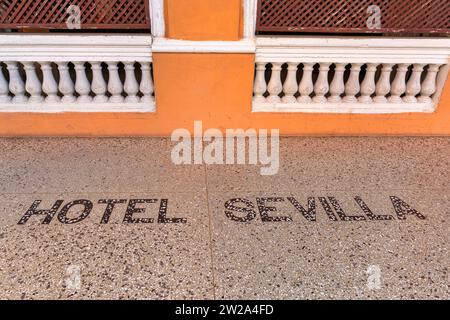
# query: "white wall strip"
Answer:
x=157 y=18
x=172 y=45
x=249 y=18
x=71 y=47
x=74 y=107
x=352 y=49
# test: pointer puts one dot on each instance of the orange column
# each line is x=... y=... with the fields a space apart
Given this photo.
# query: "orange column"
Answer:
x=203 y=19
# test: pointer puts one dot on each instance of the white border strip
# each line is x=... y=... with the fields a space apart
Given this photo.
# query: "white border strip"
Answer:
x=353 y=50
x=162 y=44
x=65 y=47
x=77 y=108
x=250 y=7
x=157 y=18
x=180 y=46
x=347 y=108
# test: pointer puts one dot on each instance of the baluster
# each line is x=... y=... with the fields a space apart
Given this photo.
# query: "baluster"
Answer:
x=260 y=86
x=306 y=85
x=290 y=86
x=98 y=85
x=413 y=86
x=399 y=84
x=321 y=86
x=275 y=87
x=66 y=86
x=429 y=84
x=16 y=84
x=368 y=84
x=115 y=86
x=352 y=86
x=82 y=85
x=383 y=86
x=32 y=83
x=4 y=90
x=146 y=86
x=131 y=85
x=49 y=85
x=337 y=86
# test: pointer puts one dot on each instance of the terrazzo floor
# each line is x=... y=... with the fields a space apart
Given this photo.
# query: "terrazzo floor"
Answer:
x=344 y=218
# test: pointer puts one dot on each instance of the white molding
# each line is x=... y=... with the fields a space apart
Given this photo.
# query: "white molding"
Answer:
x=250 y=7
x=348 y=108
x=173 y=45
x=70 y=47
x=76 y=107
x=157 y=18
x=353 y=50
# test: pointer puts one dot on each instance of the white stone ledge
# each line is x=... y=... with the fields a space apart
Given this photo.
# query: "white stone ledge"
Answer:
x=186 y=46
x=77 y=107
x=352 y=49
x=75 y=47
x=349 y=108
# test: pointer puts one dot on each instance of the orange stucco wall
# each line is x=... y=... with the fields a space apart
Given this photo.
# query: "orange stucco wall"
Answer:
x=204 y=19
x=215 y=88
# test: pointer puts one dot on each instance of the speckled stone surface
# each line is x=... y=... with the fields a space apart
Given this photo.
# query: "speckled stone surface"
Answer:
x=116 y=260
x=345 y=163
x=212 y=256
x=326 y=259
x=92 y=165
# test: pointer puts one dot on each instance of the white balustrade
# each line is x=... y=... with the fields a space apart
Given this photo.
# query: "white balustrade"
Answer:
x=368 y=84
x=349 y=74
x=76 y=73
x=32 y=85
x=115 y=86
x=398 y=86
x=4 y=91
x=306 y=86
x=383 y=86
x=66 y=85
x=131 y=85
x=352 y=87
x=146 y=86
x=98 y=85
x=321 y=86
x=337 y=86
x=290 y=86
x=429 y=84
x=375 y=88
x=275 y=87
x=16 y=84
x=82 y=85
x=413 y=86
x=260 y=85
x=49 y=84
